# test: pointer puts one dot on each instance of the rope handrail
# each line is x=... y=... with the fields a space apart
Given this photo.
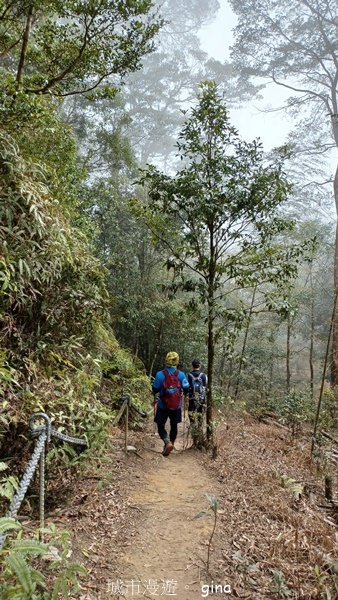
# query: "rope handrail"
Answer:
x=43 y=434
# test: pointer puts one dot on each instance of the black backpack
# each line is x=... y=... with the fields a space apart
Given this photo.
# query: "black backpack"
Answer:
x=198 y=390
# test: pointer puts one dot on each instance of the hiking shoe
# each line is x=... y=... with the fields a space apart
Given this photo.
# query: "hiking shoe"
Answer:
x=168 y=447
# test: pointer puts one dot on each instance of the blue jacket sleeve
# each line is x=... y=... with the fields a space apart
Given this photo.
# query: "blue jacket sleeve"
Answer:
x=184 y=382
x=157 y=383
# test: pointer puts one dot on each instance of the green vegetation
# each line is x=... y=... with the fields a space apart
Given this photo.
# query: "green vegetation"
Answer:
x=54 y=307
x=58 y=348
x=219 y=218
x=22 y=575
x=104 y=268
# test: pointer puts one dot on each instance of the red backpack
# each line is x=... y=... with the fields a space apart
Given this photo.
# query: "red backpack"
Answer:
x=171 y=390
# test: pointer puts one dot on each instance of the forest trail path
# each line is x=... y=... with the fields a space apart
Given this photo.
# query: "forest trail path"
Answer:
x=169 y=549
x=143 y=531
x=141 y=522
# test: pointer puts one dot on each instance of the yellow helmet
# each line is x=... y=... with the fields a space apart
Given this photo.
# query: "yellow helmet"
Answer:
x=172 y=359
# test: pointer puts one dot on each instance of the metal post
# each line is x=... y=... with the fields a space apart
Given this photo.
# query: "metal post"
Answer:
x=42 y=491
x=126 y=428
x=42 y=466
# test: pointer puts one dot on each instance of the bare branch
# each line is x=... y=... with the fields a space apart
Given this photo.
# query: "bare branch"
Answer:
x=7 y=8
x=302 y=91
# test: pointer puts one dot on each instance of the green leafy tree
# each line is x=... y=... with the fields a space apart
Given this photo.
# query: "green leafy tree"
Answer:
x=71 y=47
x=55 y=333
x=218 y=216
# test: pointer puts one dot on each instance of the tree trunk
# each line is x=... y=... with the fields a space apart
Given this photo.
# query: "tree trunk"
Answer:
x=211 y=355
x=221 y=373
x=288 y=353
x=332 y=323
x=211 y=336
x=272 y=339
x=230 y=377
x=157 y=348
x=244 y=342
x=334 y=367
x=24 y=46
x=312 y=325
x=136 y=346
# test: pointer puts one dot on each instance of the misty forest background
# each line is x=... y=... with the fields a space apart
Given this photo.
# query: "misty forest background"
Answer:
x=105 y=266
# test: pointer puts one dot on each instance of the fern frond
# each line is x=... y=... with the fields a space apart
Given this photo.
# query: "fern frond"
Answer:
x=7 y=524
x=19 y=567
x=32 y=547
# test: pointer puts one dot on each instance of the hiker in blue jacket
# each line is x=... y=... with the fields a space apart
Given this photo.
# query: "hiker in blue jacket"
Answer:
x=170 y=385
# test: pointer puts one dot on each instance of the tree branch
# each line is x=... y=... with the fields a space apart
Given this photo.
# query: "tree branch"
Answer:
x=25 y=40
x=321 y=18
x=68 y=69
x=176 y=254
x=302 y=91
x=7 y=50
x=7 y=8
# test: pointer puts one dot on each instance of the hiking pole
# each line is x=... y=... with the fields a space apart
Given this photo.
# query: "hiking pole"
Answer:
x=184 y=416
x=155 y=409
x=183 y=422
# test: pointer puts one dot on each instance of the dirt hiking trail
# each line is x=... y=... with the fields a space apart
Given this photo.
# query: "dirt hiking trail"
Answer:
x=141 y=522
x=170 y=548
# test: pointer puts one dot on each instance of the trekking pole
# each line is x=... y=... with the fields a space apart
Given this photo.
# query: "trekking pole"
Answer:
x=126 y=422
x=155 y=408
x=186 y=429
x=184 y=415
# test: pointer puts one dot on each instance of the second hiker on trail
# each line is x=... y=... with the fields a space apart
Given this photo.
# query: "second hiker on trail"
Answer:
x=198 y=382
x=170 y=384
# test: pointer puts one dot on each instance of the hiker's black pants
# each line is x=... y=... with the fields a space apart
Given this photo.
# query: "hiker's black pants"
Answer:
x=161 y=417
x=195 y=412
x=193 y=408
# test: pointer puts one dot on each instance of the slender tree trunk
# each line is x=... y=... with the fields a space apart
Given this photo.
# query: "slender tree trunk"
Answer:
x=137 y=344
x=241 y=360
x=271 y=378
x=211 y=355
x=334 y=350
x=272 y=339
x=334 y=367
x=288 y=354
x=211 y=313
x=157 y=349
x=24 y=46
x=230 y=378
x=211 y=337
x=312 y=326
x=221 y=376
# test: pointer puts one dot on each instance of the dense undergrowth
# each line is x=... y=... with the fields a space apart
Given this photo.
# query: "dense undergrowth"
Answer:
x=58 y=353
x=57 y=350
